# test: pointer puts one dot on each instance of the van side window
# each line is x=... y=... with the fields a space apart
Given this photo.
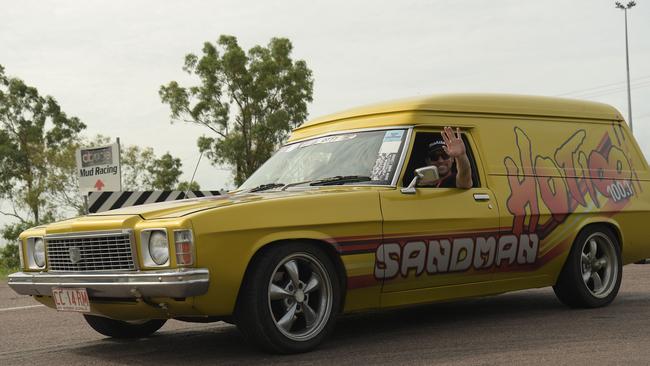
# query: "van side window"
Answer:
x=427 y=148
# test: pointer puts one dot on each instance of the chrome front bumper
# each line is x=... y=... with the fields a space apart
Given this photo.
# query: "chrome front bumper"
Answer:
x=176 y=283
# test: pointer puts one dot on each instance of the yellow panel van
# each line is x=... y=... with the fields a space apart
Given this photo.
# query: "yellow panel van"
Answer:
x=400 y=203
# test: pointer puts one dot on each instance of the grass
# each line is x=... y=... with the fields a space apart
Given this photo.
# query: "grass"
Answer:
x=5 y=271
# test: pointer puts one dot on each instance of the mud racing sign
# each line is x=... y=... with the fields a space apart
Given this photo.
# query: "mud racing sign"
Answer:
x=99 y=169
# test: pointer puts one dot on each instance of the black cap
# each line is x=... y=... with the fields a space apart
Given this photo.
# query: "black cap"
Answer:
x=436 y=145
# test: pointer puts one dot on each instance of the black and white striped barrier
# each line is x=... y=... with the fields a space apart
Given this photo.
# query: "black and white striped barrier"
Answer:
x=104 y=201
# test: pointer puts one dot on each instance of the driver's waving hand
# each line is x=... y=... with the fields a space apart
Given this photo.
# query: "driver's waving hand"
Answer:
x=442 y=154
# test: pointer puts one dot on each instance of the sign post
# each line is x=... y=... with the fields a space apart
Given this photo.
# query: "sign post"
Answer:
x=99 y=169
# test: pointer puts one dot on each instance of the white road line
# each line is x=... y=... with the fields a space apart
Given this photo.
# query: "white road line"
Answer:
x=21 y=308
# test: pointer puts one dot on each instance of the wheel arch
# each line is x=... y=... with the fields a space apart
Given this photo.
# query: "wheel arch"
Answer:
x=327 y=247
x=602 y=221
x=591 y=222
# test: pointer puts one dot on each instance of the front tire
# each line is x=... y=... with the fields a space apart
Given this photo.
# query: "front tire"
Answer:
x=591 y=276
x=121 y=329
x=290 y=298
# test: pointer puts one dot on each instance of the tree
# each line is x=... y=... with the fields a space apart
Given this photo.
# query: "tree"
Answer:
x=64 y=179
x=250 y=101
x=187 y=186
x=166 y=171
x=135 y=168
x=33 y=133
x=34 y=136
x=9 y=257
x=142 y=170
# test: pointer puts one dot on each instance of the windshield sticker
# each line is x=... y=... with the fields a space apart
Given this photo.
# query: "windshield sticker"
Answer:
x=393 y=135
x=387 y=155
x=326 y=140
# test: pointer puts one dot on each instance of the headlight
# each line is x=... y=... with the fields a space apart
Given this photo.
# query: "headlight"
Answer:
x=34 y=253
x=39 y=252
x=159 y=247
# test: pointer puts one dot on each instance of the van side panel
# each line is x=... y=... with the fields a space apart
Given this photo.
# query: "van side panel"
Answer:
x=553 y=177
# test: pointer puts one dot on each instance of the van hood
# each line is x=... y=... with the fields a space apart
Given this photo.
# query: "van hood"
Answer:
x=173 y=209
x=178 y=208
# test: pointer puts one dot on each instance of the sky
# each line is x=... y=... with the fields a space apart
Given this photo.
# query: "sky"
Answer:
x=104 y=61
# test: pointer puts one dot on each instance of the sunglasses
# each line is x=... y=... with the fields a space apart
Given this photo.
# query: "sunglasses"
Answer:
x=437 y=155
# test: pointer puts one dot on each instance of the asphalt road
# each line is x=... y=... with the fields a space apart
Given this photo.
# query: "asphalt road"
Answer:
x=526 y=327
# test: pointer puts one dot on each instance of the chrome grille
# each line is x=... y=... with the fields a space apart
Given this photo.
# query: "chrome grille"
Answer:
x=93 y=251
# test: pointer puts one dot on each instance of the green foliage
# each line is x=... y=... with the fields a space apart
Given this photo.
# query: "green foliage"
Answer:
x=11 y=232
x=5 y=271
x=9 y=256
x=65 y=180
x=135 y=168
x=249 y=100
x=34 y=132
x=187 y=186
x=166 y=171
x=142 y=170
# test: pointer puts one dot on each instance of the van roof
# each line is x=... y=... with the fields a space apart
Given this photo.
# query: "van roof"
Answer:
x=500 y=104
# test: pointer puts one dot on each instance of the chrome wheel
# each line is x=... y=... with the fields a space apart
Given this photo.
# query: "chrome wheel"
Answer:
x=300 y=296
x=599 y=265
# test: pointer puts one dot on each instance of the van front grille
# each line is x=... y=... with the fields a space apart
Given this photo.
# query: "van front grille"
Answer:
x=94 y=251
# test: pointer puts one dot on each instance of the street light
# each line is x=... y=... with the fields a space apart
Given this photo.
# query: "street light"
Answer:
x=627 y=61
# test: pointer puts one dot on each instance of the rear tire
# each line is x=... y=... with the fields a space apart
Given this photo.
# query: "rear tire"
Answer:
x=121 y=329
x=591 y=276
x=290 y=298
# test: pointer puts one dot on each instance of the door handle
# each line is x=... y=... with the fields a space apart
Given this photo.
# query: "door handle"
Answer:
x=481 y=197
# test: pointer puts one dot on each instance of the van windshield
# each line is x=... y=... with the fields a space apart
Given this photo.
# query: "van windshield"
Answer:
x=369 y=157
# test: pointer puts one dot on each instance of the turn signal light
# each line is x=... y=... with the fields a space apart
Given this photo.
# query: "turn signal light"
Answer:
x=184 y=242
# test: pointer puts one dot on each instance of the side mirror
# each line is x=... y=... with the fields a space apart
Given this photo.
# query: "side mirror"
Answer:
x=428 y=173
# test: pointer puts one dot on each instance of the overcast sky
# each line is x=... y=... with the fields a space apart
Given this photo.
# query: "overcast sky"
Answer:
x=104 y=61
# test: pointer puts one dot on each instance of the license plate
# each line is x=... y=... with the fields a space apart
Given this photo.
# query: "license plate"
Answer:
x=71 y=299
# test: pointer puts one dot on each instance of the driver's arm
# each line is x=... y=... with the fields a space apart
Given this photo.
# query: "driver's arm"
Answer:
x=464 y=174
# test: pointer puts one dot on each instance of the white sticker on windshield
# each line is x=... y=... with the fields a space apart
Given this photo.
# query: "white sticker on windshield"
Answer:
x=393 y=135
x=321 y=140
x=328 y=140
x=387 y=155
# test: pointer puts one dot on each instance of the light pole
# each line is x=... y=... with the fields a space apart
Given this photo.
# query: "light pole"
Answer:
x=627 y=61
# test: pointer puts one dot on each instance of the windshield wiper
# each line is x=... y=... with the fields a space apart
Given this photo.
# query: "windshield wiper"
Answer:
x=330 y=181
x=264 y=187
x=340 y=179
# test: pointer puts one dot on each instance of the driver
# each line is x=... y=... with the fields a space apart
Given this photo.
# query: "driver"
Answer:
x=442 y=154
